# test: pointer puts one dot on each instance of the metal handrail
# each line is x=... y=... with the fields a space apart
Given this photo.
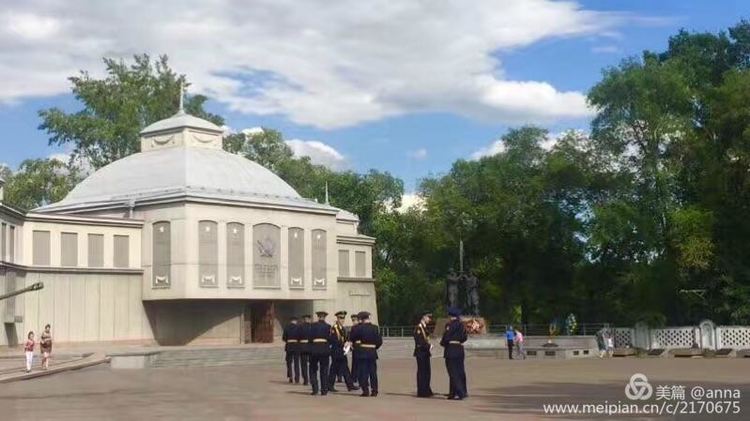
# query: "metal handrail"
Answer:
x=531 y=329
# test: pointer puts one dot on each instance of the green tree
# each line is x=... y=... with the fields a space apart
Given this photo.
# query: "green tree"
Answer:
x=117 y=107
x=38 y=182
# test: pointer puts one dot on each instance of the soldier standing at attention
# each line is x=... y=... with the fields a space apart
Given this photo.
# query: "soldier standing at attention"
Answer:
x=291 y=337
x=422 y=348
x=355 y=350
x=320 y=353
x=304 y=330
x=453 y=344
x=339 y=366
x=367 y=335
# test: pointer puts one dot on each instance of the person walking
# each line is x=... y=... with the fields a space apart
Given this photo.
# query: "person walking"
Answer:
x=453 y=352
x=28 y=349
x=320 y=353
x=601 y=342
x=509 y=337
x=339 y=363
x=45 y=345
x=291 y=337
x=518 y=339
x=304 y=348
x=367 y=336
x=422 y=352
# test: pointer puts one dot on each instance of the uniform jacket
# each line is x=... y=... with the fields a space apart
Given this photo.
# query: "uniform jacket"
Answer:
x=291 y=337
x=421 y=341
x=304 y=336
x=339 y=338
x=319 y=339
x=453 y=339
x=366 y=337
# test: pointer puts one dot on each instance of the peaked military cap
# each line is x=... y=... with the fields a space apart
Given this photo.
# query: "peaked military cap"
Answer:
x=321 y=313
x=454 y=312
x=363 y=315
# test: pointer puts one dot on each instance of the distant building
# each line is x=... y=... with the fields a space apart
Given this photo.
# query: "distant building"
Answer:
x=181 y=243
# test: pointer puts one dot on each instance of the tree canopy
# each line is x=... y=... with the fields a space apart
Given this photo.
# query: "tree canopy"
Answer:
x=644 y=218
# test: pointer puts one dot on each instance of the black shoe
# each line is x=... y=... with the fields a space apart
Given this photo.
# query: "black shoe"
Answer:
x=374 y=393
x=290 y=380
x=364 y=395
x=333 y=390
x=350 y=388
x=323 y=393
x=296 y=382
x=450 y=397
x=314 y=393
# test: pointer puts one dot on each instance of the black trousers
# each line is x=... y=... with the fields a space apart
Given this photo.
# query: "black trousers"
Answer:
x=340 y=367
x=319 y=363
x=368 y=375
x=457 y=376
x=424 y=374
x=355 y=368
x=304 y=360
x=510 y=349
x=292 y=361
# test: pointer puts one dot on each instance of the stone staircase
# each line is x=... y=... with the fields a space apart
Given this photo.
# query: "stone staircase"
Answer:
x=224 y=356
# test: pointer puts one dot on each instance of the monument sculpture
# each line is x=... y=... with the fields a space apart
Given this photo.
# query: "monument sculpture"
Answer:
x=452 y=289
x=472 y=293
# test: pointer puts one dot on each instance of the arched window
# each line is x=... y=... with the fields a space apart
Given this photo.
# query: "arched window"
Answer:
x=296 y=258
x=235 y=255
x=162 y=258
x=319 y=259
x=208 y=253
x=266 y=241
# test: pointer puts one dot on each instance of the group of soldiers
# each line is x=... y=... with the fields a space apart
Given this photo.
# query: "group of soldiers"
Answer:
x=317 y=352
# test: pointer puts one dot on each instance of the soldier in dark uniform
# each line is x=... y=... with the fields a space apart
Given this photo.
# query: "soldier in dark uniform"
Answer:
x=320 y=353
x=422 y=351
x=304 y=329
x=367 y=336
x=291 y=338
x=339 y=363
x=453 y=344
x=355 y=350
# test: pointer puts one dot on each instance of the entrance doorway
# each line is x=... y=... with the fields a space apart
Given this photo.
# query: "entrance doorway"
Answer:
x=258 y=322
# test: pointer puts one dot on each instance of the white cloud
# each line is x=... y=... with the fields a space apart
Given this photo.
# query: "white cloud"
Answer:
x=252 y=131
x=418 y=154
x=319 y=153
x=606 y=49
x=322 y=63
x=494 y=148
x=409 y=200
x=498 y=146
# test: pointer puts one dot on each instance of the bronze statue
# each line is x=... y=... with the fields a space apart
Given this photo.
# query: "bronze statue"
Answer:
x=472 y=293
x=452 y=289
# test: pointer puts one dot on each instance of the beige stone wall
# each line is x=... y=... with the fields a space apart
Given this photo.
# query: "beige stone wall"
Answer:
x=81 y=307
x=355 y=296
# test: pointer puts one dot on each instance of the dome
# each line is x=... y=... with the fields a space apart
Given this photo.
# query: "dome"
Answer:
x=174 y=171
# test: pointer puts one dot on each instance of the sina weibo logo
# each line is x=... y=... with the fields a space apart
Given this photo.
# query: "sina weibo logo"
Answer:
x=266 y=247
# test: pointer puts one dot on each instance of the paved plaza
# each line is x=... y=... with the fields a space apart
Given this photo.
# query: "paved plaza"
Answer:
x=499 y=389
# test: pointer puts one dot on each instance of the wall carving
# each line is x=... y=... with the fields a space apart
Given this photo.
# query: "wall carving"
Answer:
x=296 y=244
x=266 y=259
x=319 y=259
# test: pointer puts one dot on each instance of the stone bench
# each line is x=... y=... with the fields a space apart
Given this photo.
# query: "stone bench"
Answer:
x=686 y=352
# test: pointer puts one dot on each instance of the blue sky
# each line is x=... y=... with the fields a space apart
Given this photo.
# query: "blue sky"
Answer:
x=399 y=108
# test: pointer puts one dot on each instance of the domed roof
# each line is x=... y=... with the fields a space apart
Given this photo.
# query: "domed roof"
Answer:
x=181 y=157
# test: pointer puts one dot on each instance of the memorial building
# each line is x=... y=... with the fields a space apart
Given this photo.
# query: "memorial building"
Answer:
x=181 y=243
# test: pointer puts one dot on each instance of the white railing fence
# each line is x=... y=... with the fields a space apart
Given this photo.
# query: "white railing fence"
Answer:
x=706 y=336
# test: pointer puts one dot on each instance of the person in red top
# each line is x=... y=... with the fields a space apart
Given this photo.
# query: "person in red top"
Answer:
x=28 y=349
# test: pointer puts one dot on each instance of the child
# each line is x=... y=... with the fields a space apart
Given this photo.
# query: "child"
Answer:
x=518 y=338
x=45 y=345
x=28 y=348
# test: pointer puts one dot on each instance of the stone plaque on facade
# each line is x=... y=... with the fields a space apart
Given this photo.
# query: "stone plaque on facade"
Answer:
x=319 y=256
x=162 y=248
x=235 y=255
x=266 y=259
x=296 y=258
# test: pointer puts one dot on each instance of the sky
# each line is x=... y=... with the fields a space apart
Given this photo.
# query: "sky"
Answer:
x=406 y=87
